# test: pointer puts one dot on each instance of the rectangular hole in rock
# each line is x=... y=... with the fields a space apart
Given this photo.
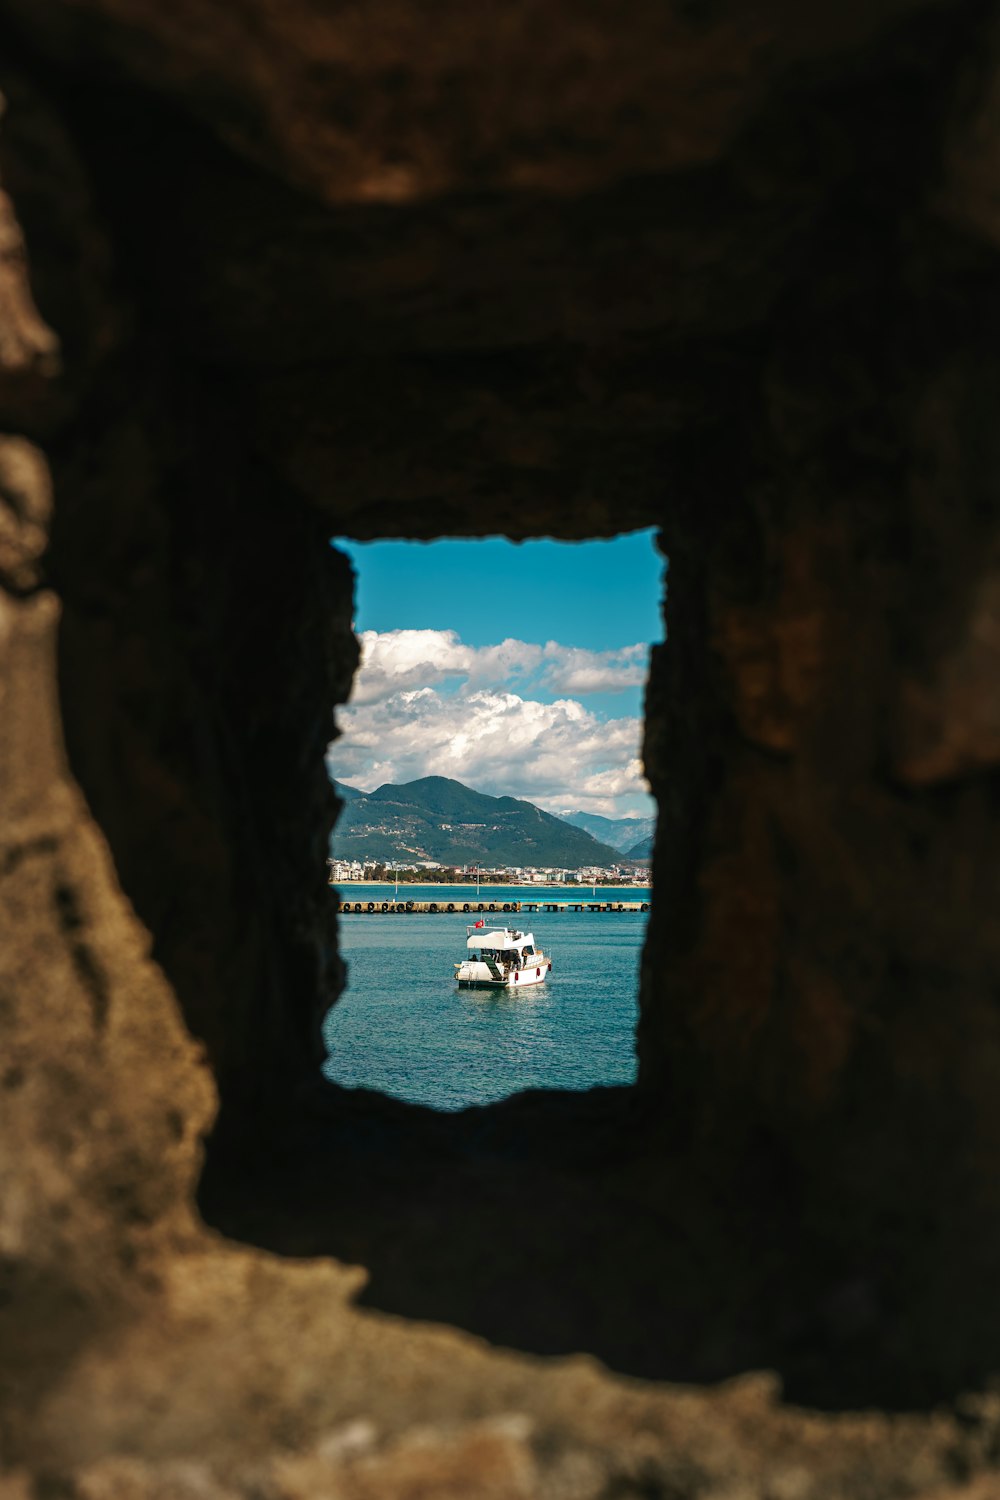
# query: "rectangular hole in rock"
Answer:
x=492 y=670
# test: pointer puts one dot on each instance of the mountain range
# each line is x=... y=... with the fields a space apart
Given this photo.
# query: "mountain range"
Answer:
x=633 y=836
x=438 y=819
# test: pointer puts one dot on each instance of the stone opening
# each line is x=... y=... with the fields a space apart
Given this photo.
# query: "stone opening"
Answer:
x=771 y=333
x=532 y=659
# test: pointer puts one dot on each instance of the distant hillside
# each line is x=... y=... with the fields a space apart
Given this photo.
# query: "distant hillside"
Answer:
x=442 y=820
x=620 y=833
x=642 y=850
x=346 y=793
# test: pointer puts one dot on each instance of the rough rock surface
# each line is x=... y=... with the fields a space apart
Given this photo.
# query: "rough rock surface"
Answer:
x=273 y=272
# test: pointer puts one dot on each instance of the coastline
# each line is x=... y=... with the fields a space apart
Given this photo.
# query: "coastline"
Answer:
x=554 y=885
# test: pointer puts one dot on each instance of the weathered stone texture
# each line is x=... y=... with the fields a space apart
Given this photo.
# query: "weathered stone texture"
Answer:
x=388 y=102
x=26 y=503
x=270 y=273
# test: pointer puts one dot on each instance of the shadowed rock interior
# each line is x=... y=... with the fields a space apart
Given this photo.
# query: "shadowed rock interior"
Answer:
x=270 y=274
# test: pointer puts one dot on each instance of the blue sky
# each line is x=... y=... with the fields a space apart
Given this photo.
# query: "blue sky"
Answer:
x=515 y=667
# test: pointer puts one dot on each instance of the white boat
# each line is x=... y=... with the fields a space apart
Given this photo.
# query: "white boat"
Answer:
x=501 y=957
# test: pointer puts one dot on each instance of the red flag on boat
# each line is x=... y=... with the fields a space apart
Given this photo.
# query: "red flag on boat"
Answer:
x=480 y=923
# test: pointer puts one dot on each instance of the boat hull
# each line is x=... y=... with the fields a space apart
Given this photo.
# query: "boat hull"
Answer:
x=518 y=979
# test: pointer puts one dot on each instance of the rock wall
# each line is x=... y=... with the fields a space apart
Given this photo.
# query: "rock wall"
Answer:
x=269 y=274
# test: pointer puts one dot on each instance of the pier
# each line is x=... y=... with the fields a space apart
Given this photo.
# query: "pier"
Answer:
x=488 y=908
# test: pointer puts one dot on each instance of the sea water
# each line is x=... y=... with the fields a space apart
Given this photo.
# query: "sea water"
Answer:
x=403 y=1026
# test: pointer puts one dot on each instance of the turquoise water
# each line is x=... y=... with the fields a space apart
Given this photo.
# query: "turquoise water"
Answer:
x=404 y=1027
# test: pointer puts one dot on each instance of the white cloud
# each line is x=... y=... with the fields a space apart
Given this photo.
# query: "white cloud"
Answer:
x=426 y=704
x=396 y=659
x=496 y=742
x=573 y=670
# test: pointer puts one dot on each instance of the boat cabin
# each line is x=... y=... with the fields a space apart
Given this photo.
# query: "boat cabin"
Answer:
x=502 y=943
